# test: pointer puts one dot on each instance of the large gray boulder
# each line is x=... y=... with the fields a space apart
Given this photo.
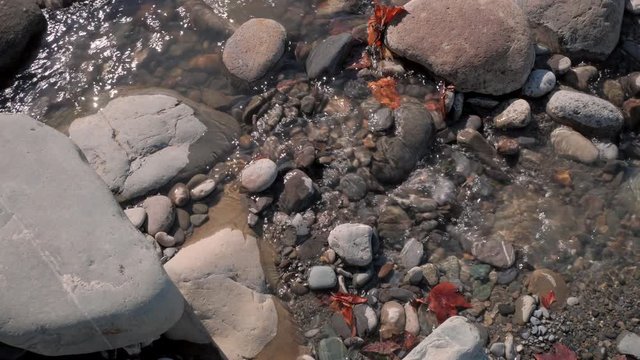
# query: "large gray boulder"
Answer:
x=81 y=277
x=481 y=46
x=20 y=21
x=139 y=143
x=254 y=48
x=579 y=28
x=454 y=339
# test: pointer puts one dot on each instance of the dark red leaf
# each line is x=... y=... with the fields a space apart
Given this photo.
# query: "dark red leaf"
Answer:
x=559 y=352
x=445 y=299
x=378 y=22
x=548 y=299
x=381 y=347
x=384 y=90
x=410 y=341
x=363 y=63
x=348 y=299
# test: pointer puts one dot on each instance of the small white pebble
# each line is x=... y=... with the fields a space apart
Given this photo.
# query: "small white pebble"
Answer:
x=519 y=348
x=573 y=301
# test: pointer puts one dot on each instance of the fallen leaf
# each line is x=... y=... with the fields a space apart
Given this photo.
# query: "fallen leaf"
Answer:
x=559 y=352
x=381 y=347
x=548 y=299
x=444 y=300
x=384 y=90
x=343 y=303
x=363 y=63
x=563 y=177
x=378 y=22
x=410 y=341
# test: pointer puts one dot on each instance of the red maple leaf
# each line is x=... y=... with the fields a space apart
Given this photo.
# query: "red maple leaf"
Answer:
x=559 y=352
x=343 y=303
x=548 y=299
x=384 y=90
x=362 y=63
x=378 y=22
x=444 y=300
x=382 y=348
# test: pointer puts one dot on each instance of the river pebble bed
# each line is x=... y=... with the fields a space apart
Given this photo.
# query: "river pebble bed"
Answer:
x=490 y=194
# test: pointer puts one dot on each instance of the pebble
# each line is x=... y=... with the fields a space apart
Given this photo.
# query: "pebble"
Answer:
x=506 y=309
x=392 y=320
x=475 y=141
x=136 y=215
x=541 y=281
x=539 y=83
x=307 y=104
x=160 y=214
x=430 y=273
x=509 y=351
x=258 y=175
x=412 y=326
x=198 y=219
x=580 y=77
x=327 y=55
x=184 y=221
x=497 y=349
x=353 y=186
x=199 y=208
x=332 y=348
x=352 y=242
x=500 y=254
x=585 y=113
x=534 y=320
x=203 y=189
x=473 y=122
x=559 y=64
x=385 y=270
x=573 y=301
x=628 y=343
x=524 y=308
x=322 y=278
x=169 y=252
x=414 y=276
x=573 y=145
x=179 y=194
x=298 y=192
x=311 y=333
x=165 y=239
x=412 y=253
x=361 y=279
x=328 y=257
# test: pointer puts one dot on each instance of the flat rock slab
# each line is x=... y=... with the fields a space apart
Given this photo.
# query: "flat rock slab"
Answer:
x=456 y=338
x=139 y=143
x=481 y=46
x=82 y=277
x=221 y=278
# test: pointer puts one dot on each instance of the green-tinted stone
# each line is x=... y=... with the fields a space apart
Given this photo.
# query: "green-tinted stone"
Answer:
x=332 y=349
x=480 y=271
x=482 y=291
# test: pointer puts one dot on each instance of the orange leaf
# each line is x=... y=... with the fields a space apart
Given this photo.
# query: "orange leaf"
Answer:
x=548 y=299
x=378 y=22
x=445 y=299
x=562 y=177
x=381 y=347
x=559 y=352
x=384 y=90
x=348 y=299
x=363 y=63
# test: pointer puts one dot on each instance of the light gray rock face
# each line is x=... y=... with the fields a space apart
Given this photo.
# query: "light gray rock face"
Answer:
x=500 y=254
x=20 y=21
x=160 y=214
x=628 y=343
x=513 y=114
x=139 y=143
x=571 y=144
x=322 y=278
x=579 y=28
x=93 y=281
x=325 y=57
x=585 y=113
x=454 y=339
x=633 y=6
x=485 y=48
x=259 y=175
x=352 y=242
x=254 y=48
x=222 y=280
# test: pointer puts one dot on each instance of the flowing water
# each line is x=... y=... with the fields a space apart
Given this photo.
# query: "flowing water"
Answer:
x=93 y=51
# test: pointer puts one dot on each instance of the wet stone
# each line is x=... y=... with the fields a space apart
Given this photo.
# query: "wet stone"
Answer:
x=332 y=349
x=392 y=320
x=179 y=194
x=385 y=270
x=136 y=215
x=199 y=208
x=399 y=294
x=513 y=114
x=412 y=253
x=258 y=175
x=524 y=308
x=165 y=239
x=381 y=120
x=352 y=242
x=482 y=291
x=322 y=278
x=353 y=186
x=307 y=104
x=327 y=55
x=506 y=309
x=414 y=276
x=500 y=254
x=160 y=214
x=541 y=281
x=480 y=271
x=203 y=189
x=475 y=141
x=539 y=83
x=298 y=192
x=340 y=326
x=430 y=273
x=366 y=319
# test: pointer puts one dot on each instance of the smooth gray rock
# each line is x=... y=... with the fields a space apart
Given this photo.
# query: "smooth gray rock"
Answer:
x=540 y=83
x=454 y=339
x=352 y=242
x=381 y=120
x=20 y=22
x=298 y=192
x=160 y=214
x=139 y=143
x=327 y=55
x=585 y=113
x=353 y=186
x=392 y=320
x=202 y=190
x=485 y=48
x=628 y=343
x=579 y=28
x=136 y=215
x=411 y=254
x=93 y=281
x=322 y=278
x=493 y=252
x=571 y=144
x=258 y=175
x=513 y=114
x=332 y=349
x=254 y=48
x=524 y=308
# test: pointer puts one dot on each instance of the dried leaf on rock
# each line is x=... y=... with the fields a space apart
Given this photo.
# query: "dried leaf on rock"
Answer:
x=409 y=342
x=559 y=352
x=445 y=300
x=378 y=22
x=381 y=347
x=343 y=303
x=562 y=177
x=363 y=63
x=548 y=299
x=384 y=90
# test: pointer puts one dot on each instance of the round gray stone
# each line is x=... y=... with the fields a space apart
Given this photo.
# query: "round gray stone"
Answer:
x=352 y=242
x=539 y=83
x=585 y=113
x=322 y=278
x=160 y=214
x=513 y=114
x=258 y=175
